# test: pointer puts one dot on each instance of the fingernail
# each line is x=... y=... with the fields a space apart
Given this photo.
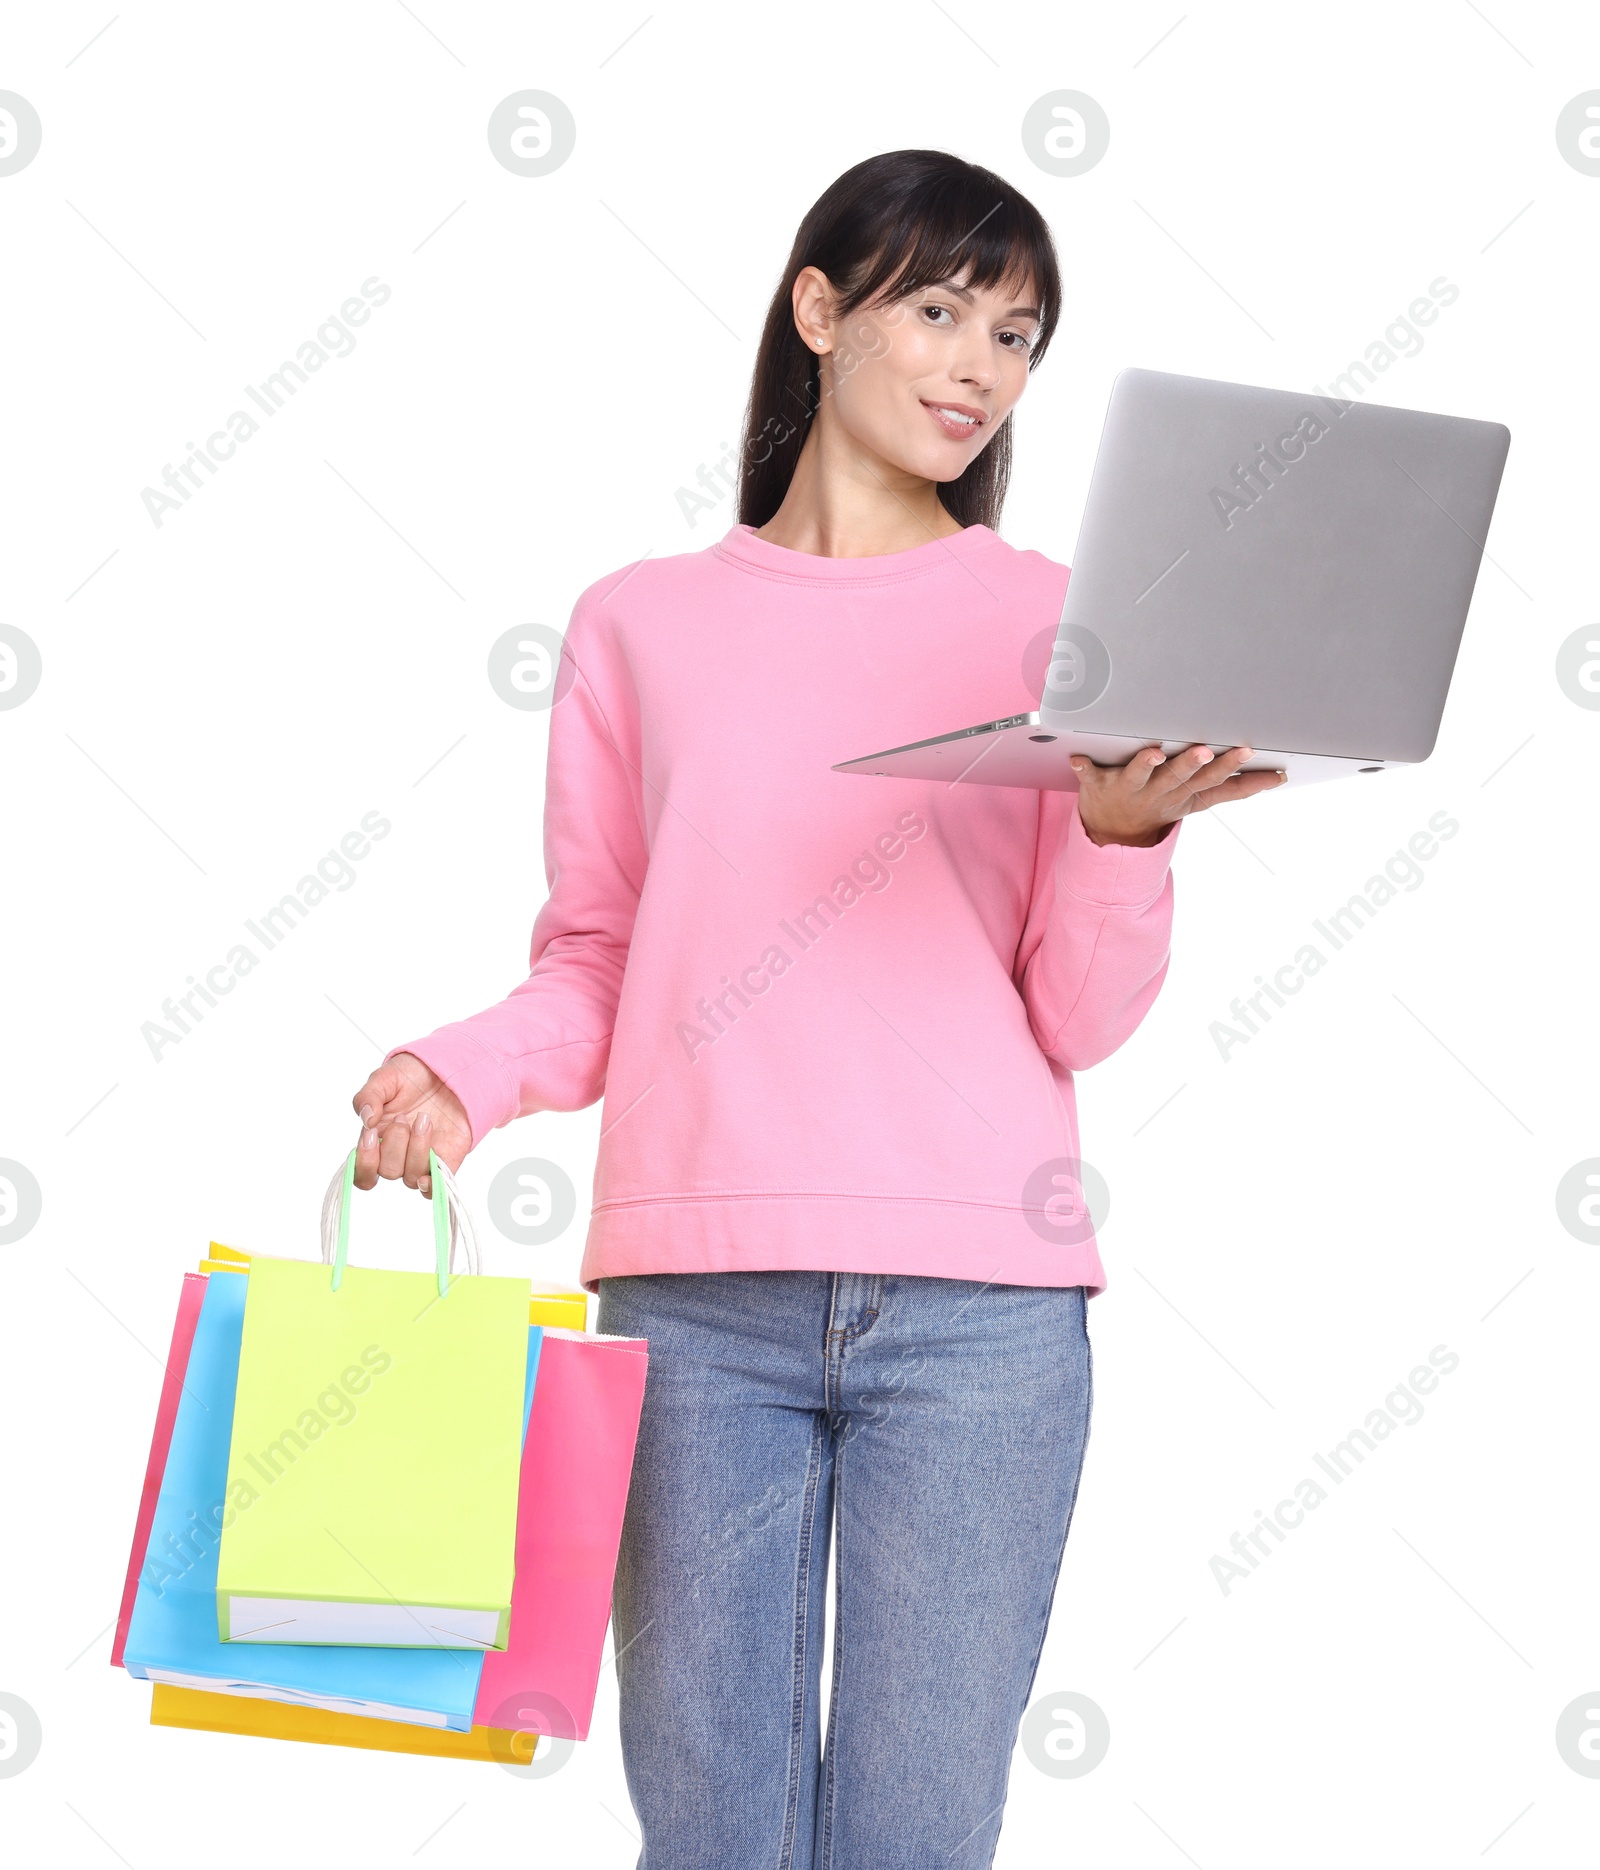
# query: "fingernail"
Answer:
x=365 y=1113
x=369 y=1139
x=424 y=1124
x=1206 y=754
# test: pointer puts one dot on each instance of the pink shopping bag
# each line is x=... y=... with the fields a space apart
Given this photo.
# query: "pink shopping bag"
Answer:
x=189 y=1300
x=575 y=1473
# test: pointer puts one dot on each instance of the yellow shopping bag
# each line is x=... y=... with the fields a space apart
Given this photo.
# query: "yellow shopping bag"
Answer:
x=171 y=1706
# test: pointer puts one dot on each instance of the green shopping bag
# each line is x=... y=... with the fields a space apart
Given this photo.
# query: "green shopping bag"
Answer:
x=376 y=1449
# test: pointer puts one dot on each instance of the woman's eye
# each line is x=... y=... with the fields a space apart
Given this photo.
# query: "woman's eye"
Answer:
x=1022 y=344
x=936 y=309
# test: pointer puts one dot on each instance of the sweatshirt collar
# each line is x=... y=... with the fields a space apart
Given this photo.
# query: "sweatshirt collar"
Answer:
x=742 y=547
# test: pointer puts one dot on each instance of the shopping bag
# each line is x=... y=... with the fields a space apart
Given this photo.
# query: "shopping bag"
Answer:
x=172 y=1636
x=376 y=1448
x=194 y=1290
x=556 y=1301
x=550 y=1305
x=207 y=1712
x=575 y=1475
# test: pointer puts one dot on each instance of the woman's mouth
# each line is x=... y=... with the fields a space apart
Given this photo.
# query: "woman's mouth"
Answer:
x=960 y=421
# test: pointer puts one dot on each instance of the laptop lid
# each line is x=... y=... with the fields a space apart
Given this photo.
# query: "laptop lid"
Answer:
x=1272 y=567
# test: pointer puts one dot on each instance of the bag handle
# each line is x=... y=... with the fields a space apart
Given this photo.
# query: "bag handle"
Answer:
x=451 y=1222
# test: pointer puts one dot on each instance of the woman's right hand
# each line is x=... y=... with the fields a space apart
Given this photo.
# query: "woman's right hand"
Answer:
x=406 y=1110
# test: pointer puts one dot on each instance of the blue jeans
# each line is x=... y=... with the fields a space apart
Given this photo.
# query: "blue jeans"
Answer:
x=943 y=1424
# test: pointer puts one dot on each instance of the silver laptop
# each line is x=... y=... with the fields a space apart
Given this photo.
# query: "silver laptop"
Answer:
x=1267 y=568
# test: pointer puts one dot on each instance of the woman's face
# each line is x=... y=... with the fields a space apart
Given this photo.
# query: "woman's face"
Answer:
x=925 y=382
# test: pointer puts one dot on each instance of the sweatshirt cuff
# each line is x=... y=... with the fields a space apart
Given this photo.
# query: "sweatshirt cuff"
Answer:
x=1121 y=876
x=474 y=1073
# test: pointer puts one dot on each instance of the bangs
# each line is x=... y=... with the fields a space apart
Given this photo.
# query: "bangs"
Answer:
x=985 y=235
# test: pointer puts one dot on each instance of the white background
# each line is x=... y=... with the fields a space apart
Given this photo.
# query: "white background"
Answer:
x=224 y=696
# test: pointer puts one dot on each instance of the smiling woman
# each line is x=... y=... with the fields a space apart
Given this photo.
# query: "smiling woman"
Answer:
x=820 y=1204
x=942 y=278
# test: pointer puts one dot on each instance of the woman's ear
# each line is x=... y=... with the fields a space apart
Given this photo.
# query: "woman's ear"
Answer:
x=813 y=301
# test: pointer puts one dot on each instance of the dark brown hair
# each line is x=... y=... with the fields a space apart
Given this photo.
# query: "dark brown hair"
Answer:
x=887 y=228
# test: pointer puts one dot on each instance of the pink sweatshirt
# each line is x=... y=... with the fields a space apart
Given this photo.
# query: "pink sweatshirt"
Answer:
x=835 y=1019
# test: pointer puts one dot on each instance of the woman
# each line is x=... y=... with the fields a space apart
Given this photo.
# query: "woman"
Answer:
x=835 y=1021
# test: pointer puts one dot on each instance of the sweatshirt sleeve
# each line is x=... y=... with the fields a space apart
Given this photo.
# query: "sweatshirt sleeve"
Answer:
x=546 y=1045
x=1095 y=944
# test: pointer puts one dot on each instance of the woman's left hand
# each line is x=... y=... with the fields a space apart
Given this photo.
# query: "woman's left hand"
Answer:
x=1134 y=804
